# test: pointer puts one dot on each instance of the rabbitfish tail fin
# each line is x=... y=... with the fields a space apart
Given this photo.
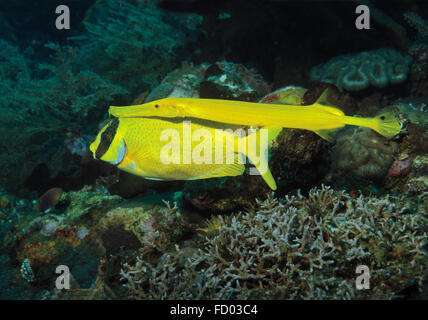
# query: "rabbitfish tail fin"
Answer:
x=257 y=146
x=387 y=124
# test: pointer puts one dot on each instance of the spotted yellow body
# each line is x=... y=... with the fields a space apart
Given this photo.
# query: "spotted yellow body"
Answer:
x=138 y=146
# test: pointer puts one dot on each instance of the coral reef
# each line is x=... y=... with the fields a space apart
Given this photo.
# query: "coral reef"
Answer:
x=124 y=237
x=64 y=236
x=417 y=183
x=362 y=153
x=136 y=42
x=34 y=121
x=96 y=291
x=417 y=22
x=181 y=83
x=296 y=248
x=418 y=76
x=291 y=95
x=408 y=173
x=222 y=195
x=127 y=48
x=299 y=158
x=226 y=80
x=86 y=228
x=400 y=167
x=87 y=204
x=355 y=72
x=221 y=80
x=138 y=227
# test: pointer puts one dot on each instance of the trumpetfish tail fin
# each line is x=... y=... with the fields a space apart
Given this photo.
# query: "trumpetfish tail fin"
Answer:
x=387 y=124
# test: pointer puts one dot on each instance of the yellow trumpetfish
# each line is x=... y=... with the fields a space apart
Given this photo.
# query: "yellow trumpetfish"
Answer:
x=318 y=117
x=162 y=149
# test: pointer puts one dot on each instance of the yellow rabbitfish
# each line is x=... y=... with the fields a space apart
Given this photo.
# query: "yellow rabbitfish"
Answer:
x=318 y=117
x=170 y=149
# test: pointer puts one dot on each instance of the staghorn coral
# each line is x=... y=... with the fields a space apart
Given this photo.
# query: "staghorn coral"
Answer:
x=295 y=248
x=355 y=72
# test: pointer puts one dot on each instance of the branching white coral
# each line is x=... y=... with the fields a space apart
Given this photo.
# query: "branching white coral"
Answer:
x=298 y=247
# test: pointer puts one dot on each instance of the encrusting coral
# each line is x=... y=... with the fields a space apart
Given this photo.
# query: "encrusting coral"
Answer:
x=295 y=248
x=362 y=153
x=153 y=229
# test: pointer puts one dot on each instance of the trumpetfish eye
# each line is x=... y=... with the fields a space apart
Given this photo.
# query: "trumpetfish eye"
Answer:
x=107 y=138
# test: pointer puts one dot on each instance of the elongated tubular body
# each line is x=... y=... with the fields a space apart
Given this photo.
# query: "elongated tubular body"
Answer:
x=313 y=117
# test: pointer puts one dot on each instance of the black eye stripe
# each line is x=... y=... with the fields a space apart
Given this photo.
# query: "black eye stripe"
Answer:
x=106 y=138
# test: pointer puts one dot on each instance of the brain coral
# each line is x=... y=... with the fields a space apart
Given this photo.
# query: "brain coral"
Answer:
x=354 y=72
